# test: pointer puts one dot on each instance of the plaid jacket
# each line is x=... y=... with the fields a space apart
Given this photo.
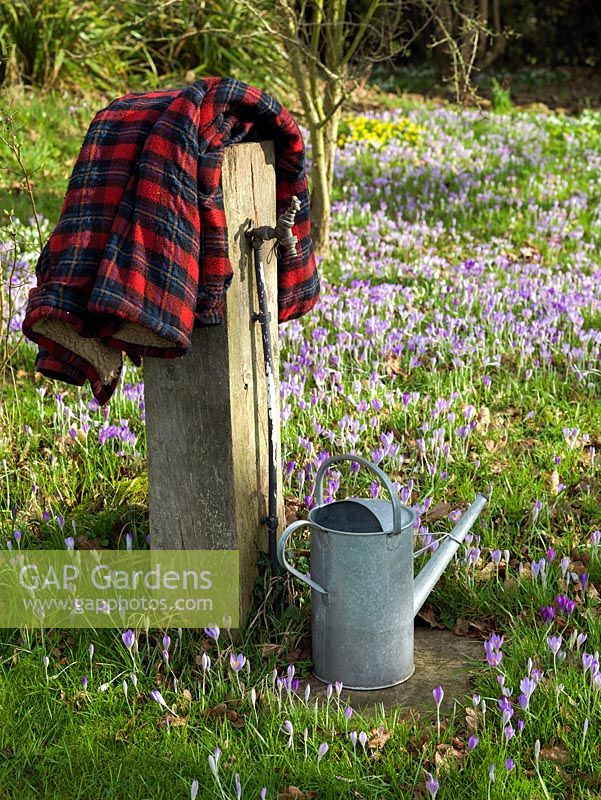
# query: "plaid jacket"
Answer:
x=142 y=238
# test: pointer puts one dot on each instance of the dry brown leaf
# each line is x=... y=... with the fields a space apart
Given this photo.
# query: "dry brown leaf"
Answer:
x=483 y=420
x=235 y=718
x=462 y=627
x=269 y=648
x=294 y=793
x=558 y=753
x=172 y=721
x=187 y=695
x=393 y=366
x=491 y=445
x=488 y=571
x=83 y=543
x=428 y=615
x=445 y=755
x=438 y=511
x=471 y=719
x=553 y=481
x=379 y=738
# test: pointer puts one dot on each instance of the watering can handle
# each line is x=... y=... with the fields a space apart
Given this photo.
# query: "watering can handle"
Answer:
x=301 y=523
x=397 y=514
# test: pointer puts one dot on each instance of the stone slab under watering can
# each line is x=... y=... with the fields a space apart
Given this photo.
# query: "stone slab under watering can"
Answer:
x=364 y=597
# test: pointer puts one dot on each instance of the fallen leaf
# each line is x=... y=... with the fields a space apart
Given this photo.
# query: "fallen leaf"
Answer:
x=83 y=543
x=471 y=719
x=438 y=511
x=172 y=721
x=393 y=366
x=187 y=694
x=483 y=420
x=557 y=753
x=427 y=614
x=294 y=793
x=462 y=627
x=445 y=755
x=553 y=481
x=379 y=738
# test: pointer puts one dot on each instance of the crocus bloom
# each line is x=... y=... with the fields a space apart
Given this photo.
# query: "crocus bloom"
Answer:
x=237 y=662
x=565 y=603
x=491 y=773
x=554 y=643
x=438 y=695
x=214 y=762
x=288 y=729
x=509 y=764
x=323 y=749
x=70 y=543
x=128 y=638
x=431 y=785
x=158 y=697
x=84 y=682
x=212 y=633
x=194 y=790
x=547 y=613
x=472 y=742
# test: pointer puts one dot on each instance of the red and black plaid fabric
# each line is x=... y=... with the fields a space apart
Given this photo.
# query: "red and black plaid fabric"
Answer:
x=142 y=233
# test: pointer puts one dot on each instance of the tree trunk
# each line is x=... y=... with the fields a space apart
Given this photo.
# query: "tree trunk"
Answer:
x=320 y=195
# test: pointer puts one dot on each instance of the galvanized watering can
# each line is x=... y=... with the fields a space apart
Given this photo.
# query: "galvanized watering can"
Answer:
x=363 y=595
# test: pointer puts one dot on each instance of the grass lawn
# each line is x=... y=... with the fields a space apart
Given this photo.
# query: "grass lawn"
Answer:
x=457 y=344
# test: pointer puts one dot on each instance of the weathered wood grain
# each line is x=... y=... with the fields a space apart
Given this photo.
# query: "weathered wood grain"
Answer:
x=206 y=413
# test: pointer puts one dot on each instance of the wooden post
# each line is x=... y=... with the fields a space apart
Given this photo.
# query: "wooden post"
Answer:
x=206 y=413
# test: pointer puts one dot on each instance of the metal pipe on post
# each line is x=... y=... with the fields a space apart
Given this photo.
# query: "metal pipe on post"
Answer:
x=282 y=233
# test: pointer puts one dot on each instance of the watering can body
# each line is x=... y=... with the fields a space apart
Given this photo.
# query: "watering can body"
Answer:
x=363 y=596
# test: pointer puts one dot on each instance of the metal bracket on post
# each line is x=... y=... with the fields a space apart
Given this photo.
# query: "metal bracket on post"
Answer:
x=282 y=233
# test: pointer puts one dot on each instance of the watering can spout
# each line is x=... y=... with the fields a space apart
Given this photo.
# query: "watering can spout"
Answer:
x=426 y=580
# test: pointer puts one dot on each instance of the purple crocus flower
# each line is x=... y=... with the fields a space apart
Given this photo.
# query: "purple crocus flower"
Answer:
x=158 y=698
x=547 y=613
x=438 y=694
x=472 y=742
x=509 y=764
x=212 y=633
x=554 y=643
x=237 y=662
x=431 y=785
x=84 y=682
x=565 y=603
x=323 y=749
x=129 y=638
